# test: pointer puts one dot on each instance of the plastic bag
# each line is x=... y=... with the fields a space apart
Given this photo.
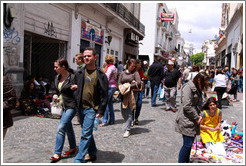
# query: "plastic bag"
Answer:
x=56 y=110
x=162 y=94
x=216 y=148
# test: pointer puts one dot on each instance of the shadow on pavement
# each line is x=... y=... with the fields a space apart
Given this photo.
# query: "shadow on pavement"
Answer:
x=144 y=122
x=145 y=102
x=25 y=117
x=20 y=118
x=109 y=157
x=138 y=130
x=119 y=121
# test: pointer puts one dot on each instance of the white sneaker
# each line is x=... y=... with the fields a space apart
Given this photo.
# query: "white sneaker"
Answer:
x=126 y=134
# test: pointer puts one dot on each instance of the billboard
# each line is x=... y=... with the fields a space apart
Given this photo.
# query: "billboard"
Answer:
x=167 y=16
x=91 y=33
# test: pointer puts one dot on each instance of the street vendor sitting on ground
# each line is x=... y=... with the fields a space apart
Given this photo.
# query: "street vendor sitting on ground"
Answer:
x=210 y=127
x=30 y=103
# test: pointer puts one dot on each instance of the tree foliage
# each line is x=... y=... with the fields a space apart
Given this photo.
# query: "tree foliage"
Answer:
x=197 y=58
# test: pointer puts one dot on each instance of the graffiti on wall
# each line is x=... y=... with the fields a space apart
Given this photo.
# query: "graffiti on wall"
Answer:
x=11 y=36
x=10 y=55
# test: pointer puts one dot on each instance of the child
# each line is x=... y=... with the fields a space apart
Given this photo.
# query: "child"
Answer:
x=210 y=127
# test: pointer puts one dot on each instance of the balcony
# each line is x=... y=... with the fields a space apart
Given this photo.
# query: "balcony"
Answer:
x=124 y=13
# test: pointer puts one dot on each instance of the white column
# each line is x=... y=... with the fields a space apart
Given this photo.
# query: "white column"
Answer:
x=74 y=47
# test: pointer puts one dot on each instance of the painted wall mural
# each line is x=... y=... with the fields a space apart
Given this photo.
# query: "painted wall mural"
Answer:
x=91 y=33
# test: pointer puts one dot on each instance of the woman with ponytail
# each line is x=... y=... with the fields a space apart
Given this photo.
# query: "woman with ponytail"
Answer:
x=63 y=82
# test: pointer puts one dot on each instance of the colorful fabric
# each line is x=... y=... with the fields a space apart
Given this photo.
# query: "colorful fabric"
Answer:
x=199 y=154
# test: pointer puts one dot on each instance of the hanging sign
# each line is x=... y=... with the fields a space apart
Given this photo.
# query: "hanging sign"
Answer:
x=91 y=33
x=167 y=16
x=165 y=54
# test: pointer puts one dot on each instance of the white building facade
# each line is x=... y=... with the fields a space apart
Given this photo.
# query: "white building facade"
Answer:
x=160 y=40
x=234 y=35
x=36 y=34
x=209 y=53
x=189 y=51
x=229 y=46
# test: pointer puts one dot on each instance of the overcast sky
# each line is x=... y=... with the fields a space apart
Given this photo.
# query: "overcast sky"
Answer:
x=204 y=19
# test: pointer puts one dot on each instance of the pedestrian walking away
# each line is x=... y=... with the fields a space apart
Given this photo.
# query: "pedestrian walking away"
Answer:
x=188 y=118
x=228 y=76
x=111 y=73
x=156 y=74
x=128 y=81
x=234 y=84
x=146 y=81
x=240 y=82
x=91 y=100
x=63 y=82
x=220 y=86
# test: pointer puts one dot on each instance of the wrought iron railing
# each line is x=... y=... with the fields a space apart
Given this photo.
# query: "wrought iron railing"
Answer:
x=124 y=13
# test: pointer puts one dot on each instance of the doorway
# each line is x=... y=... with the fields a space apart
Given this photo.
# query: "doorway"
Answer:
x=40 y=52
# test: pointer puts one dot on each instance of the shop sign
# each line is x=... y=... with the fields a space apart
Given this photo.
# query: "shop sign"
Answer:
x=91 y=33
x=165 y=54
x=167 y=16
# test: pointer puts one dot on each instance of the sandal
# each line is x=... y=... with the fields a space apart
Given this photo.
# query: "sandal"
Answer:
x=71 y=151
x=54 y=158
x=103 y=124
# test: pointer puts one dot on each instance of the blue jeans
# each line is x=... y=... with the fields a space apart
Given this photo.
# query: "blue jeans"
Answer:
x=110 y=108
x=87 y=142
x=184 y=154
x=127 y=116
x=154 y=90
x=65 y=126
x=136 y=112
x=147 y=86
x=240 y=85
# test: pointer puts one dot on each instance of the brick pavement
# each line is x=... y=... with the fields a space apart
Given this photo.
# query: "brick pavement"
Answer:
x=32 y=139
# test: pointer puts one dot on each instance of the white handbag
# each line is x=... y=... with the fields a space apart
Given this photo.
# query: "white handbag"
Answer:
x=56 y=110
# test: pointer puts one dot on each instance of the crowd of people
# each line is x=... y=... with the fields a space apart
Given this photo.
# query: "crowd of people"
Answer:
x=88 y=93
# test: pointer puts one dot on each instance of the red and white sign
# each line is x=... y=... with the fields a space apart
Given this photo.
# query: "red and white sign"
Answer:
x=165 y=54
x=167 y=16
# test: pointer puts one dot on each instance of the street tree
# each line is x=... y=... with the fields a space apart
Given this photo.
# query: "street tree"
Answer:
x=197 y=58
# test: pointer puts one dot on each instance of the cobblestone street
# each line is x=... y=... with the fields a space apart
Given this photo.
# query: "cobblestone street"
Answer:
x=32 y=139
